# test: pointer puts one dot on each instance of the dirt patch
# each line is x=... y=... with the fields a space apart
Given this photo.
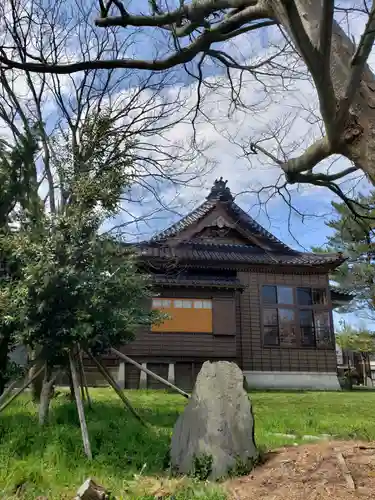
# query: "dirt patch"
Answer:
x=311 y=472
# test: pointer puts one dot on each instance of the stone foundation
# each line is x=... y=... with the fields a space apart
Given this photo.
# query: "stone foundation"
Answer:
x=293 y=380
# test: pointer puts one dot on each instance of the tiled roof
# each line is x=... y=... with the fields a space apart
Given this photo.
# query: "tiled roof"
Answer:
x=341 y=294
x=236 y=254
x=197 y=281
x=240 y=216
x=186 y=221
x=270 y=250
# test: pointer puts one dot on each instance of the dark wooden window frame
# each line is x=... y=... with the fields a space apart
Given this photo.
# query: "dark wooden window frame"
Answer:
x=296 y=308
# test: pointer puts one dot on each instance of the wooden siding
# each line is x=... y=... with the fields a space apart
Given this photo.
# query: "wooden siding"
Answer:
x=224 y=316
x=189 y=350
x=186 y=374
x=257 y=357
x=197 y=345
x=160 y=369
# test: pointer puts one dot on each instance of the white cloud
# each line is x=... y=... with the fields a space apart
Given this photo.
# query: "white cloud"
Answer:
x=292 y=111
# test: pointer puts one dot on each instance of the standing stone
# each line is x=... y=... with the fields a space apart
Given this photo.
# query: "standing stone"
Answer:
x=217 y=426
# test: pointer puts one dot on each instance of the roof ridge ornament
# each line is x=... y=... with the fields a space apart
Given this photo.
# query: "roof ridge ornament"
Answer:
x=220 y=191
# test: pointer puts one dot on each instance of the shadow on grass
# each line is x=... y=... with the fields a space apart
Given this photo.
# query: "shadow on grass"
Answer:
x=120 y=444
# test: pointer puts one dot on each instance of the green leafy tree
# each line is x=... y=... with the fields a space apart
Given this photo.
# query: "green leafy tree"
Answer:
x=355 y=238
x=18 y=197
x=79 y=288
x=359 y=340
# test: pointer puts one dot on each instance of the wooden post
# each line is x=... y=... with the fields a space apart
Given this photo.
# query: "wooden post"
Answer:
x=149 y=372
x=9 y=389
x=84 y=380
x=80 y=409
x=103 y=370
x=19 y=391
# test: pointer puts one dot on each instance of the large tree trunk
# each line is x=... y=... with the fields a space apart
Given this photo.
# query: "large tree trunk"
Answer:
x=358 y=137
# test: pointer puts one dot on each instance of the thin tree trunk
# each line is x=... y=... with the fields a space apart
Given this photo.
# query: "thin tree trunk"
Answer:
x=364 y=370
x=80 y=408
x=46 y=394
x=36 y=386
x=80 y=376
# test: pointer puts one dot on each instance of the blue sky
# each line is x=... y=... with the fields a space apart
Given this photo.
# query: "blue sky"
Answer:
x=227 y=136
x=243 y=176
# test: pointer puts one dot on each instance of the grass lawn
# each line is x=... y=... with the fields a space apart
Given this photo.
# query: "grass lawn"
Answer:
x=130 y=460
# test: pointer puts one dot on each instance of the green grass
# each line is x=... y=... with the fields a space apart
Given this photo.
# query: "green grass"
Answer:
x=130 y=460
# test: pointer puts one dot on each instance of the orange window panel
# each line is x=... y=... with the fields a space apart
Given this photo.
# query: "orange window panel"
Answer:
x=186 y=315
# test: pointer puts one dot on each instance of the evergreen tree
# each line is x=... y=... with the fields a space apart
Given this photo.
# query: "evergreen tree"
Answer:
x=359 y=340
x=18 y=195
x=77 y=288
x=355 y=238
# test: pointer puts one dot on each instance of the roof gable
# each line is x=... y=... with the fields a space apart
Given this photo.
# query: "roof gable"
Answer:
x=221 y=215
x=220 y=232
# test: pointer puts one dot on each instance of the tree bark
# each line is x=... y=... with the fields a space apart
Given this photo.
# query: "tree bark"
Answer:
x=358 y=135
x=36 y=386
x=46 y=395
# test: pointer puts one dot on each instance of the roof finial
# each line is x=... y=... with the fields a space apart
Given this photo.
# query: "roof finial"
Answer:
x=220 y=191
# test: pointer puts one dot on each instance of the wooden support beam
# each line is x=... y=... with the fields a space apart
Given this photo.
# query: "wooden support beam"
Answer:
x=149 y=372
x=85 y=388
x=21 y=389
x=103 y=370
x=80 y=408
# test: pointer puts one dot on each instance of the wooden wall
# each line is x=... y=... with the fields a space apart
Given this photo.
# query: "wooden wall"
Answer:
x=220 y=344
x=254 y=355
x=243 y=345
